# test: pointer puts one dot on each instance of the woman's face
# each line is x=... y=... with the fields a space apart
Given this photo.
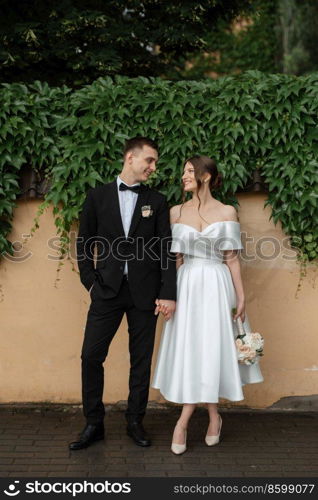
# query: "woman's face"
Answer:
x=188 y=178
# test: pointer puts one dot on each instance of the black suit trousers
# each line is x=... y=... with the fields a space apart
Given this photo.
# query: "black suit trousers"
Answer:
x=103 y=320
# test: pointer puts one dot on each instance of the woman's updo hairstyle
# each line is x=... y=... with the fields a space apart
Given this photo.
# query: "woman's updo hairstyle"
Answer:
x=202 y=165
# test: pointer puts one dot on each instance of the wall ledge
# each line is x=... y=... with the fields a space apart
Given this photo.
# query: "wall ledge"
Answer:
x=290 y=404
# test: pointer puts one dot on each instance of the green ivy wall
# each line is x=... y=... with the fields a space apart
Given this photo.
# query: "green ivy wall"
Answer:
x=246 y=122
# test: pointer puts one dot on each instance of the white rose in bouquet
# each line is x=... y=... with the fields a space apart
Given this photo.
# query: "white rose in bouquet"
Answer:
x=256 y=341
x=249 y=346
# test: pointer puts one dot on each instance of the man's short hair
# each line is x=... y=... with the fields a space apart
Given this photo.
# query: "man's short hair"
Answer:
x=139 y=142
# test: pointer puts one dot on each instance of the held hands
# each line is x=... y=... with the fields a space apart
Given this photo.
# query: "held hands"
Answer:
x=166 y=307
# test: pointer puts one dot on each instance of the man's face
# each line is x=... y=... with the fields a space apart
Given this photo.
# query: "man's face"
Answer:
x=142 y=162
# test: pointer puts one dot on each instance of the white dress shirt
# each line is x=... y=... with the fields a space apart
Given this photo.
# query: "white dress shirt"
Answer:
x=127 y=203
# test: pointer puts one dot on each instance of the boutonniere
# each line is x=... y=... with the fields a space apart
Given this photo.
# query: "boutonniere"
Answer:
x=146 y=211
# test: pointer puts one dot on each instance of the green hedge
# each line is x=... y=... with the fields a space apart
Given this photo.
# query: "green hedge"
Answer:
x=249 y=121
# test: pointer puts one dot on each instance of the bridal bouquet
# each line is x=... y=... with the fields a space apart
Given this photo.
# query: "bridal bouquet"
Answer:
x=249 y=346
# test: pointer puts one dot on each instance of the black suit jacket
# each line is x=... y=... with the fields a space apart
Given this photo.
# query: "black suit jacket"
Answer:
x=151 y=268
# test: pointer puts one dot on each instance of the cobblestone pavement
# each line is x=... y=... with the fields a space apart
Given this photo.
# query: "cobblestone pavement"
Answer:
x=254 y=444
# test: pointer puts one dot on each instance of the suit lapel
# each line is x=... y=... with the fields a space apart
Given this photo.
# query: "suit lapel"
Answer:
x=115 y=208
x=141 y=201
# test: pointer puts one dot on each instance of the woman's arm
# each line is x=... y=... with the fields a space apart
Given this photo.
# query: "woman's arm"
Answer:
x=174 y=216
x=161 y=307
x=231 y=259
x=179 y=260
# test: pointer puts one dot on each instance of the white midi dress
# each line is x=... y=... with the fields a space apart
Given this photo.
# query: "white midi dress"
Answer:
x=197 y=359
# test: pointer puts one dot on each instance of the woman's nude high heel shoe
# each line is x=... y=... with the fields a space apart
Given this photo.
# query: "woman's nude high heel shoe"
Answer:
x=178 y=449
x=212 y=440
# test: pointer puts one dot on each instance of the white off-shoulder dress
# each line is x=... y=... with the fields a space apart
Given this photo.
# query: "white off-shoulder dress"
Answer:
x=197 y=359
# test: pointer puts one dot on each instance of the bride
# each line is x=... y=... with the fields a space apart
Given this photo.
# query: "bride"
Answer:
x=197 y=360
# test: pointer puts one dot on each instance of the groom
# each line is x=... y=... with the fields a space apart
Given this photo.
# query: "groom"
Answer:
x=127 y=224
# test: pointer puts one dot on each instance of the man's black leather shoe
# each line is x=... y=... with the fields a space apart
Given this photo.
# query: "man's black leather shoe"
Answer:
x=89 y=435
x=136 y=431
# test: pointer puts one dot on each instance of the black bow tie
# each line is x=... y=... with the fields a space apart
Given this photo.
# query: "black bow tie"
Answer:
x=124 y=187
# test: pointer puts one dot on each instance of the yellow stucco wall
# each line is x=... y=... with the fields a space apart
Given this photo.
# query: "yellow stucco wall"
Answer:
x=42 y=325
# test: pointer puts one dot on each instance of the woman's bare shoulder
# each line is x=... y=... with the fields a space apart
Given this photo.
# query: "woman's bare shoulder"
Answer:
x=175 y=213
x=230 y=213
x=226 y=212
